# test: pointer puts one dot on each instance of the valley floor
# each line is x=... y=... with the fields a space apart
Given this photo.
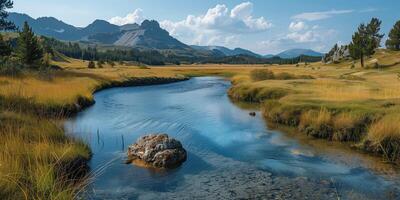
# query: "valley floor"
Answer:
x=336 y=102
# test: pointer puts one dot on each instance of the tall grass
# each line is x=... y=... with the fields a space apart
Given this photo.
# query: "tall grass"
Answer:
x=37 y=159
x=384 y=137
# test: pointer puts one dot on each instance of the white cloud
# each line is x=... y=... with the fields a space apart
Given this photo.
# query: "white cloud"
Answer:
x=297 y=26
x=131 y=18
x=217 y=24
x=309 y=36
x=313 y=16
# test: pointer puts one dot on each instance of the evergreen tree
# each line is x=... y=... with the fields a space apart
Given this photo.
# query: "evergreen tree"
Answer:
x=366 y=40
x=393 y=42
x=360 y=44
x=28 y=49
x=372 y=31
x=4 y=24
x=5 y=48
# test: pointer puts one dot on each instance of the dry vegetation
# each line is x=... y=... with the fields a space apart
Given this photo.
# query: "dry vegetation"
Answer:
x=333 y=102
x=37 y=159
x=343 y=104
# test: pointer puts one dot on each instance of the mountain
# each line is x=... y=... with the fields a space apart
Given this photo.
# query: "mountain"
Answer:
x=47 y=26
x=147 y=35
x=228 y=52
x=293 y=53
x=269 y=56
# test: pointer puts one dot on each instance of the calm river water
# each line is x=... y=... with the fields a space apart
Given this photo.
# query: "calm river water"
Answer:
x=221 y=138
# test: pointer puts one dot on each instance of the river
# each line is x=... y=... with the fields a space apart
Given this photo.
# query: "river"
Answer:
x=230 y=153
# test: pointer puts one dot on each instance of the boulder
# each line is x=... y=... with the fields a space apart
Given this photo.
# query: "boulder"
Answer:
x=337 y=54
x=158 y=150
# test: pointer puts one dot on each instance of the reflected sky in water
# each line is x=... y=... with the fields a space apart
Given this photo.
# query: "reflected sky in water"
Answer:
x=215 y=132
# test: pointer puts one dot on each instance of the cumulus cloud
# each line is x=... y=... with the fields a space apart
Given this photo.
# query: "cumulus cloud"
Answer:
x=297 y=26
x=217 y=23
x=131 y=18
x=308 y=36
x=313 y=16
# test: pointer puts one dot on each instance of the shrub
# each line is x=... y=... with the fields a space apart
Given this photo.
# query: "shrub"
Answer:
x=91 y=65
x=261 y=74
x=10 y=68
x=284 y=76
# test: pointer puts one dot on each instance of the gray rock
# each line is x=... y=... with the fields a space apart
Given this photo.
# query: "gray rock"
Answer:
x=337 y=54
x=158 y=150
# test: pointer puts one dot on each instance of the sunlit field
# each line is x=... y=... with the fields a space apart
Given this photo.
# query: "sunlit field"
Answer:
x=335 y=102
x=340 y=103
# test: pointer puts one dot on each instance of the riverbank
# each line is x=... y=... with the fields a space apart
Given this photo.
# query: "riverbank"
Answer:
x=335 y=102
x=357 y=106
x=38 y=160
x=33 y=107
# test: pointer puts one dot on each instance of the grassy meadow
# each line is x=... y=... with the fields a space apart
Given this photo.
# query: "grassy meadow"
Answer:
x=37 y=159
x=341 y=102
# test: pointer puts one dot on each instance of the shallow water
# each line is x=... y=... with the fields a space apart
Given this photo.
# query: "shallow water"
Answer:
x=218 y=135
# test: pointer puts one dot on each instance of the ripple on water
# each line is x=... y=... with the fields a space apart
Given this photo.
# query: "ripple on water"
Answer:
x=230 y=154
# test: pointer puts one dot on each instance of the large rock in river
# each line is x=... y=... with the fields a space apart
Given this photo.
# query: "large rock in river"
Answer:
x=158 y=150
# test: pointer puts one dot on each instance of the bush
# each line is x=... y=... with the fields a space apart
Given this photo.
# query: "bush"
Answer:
x=91 y=65
x=284 y=76
x=265 y=74
x=10 y=68
x=261 y=74
x=99 y=65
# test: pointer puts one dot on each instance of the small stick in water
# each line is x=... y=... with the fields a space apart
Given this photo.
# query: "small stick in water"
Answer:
x=123 y=142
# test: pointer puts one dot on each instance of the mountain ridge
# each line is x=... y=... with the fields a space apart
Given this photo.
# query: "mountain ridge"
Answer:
x=148 y=35
x=293 y=53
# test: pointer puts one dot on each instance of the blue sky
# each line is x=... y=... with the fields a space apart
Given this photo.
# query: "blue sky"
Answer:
x=264 y=26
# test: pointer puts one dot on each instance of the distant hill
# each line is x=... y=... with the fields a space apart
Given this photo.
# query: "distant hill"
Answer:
x=269 y=56
x=293 y=53
x=228 y=52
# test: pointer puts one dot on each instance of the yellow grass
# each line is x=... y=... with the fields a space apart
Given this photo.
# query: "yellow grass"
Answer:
x=339 y=98
x=339 y=104
x=60 y=89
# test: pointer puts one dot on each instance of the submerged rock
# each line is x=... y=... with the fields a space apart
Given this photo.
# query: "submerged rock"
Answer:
x=158 y=150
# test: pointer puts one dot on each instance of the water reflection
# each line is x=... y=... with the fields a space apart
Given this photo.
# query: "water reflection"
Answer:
x=217 y=135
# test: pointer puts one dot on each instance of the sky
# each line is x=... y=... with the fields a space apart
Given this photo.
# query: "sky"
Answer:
x=263 y=26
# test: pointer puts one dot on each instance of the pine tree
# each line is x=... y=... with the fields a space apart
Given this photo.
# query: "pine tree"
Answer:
x=393 y=42
x=5 y=48
x=356 y=48
x=28 y=49
x=372 y=31
x=4 y=24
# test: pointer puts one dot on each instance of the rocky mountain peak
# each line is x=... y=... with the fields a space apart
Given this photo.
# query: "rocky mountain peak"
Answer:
x=150 y=24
